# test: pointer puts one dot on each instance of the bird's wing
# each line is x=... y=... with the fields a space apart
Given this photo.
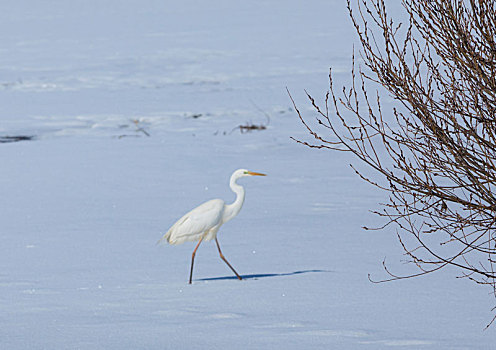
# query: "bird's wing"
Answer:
x=194 y=224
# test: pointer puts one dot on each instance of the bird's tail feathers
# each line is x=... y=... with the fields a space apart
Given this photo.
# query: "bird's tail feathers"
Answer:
x=165 y=238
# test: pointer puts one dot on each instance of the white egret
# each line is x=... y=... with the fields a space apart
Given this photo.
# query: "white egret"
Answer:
x=203 y=222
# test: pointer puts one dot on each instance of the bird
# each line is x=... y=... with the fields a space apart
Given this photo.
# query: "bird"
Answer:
x=203 y=222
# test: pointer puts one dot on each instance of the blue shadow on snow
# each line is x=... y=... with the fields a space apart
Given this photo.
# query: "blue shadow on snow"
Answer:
x=260 y=275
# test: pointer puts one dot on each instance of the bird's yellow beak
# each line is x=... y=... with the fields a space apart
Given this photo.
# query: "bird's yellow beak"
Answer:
x=255 y=174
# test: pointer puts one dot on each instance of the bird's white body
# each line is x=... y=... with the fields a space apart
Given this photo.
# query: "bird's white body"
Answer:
x=203 y=222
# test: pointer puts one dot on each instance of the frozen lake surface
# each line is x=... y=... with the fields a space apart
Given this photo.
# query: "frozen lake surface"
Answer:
x=135 y=108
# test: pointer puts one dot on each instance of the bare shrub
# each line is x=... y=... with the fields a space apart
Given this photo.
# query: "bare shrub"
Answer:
x=436 y=149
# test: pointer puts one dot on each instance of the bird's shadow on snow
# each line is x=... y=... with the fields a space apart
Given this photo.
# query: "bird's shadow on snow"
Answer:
x=262 y=275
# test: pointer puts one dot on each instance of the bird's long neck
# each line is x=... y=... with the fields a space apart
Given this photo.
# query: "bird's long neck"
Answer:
x=233 y=209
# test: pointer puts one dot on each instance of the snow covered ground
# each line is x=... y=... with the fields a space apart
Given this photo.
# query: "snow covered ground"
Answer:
x=84 y=203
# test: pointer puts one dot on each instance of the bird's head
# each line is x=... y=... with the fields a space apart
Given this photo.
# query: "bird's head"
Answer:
x=243 y=172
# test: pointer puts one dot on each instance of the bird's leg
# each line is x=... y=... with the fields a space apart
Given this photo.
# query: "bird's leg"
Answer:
x=225 y=260
x=193 y=260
